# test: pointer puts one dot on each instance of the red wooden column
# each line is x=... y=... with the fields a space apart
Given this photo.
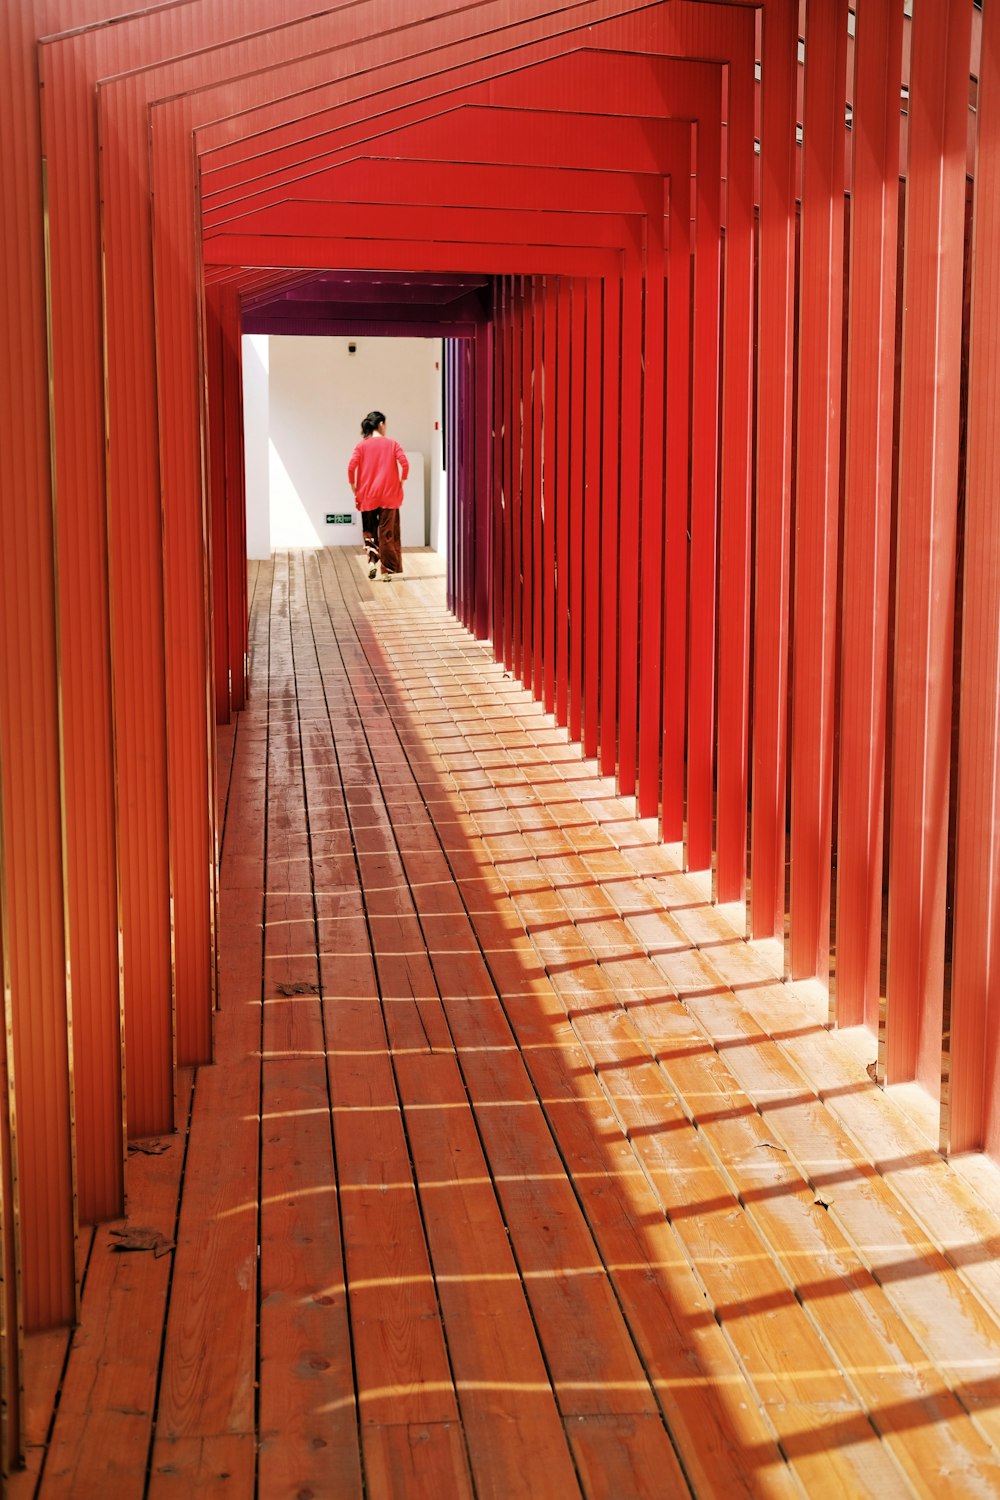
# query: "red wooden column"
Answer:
x=974 y=1116
x=652 y=505
x=236 y=506
x=925 y=558
x=736 y=475
x=577 y=520
x=500 y=457
x=817 y=484
x=518 y=398
x=539 y=291
x=529 y=492
x=482 y=355
x=867 y=509
x=190 y=688
x=10 y=1277
x=563 y=526
x=215 y=474
x=775 y=365
x=630 y=420
x=610 y=524
x=35 y=945
x=135 y=566
x=702 y=598
x=77 y=416
x=678 y=502
x=593 y=434
x=549 y=492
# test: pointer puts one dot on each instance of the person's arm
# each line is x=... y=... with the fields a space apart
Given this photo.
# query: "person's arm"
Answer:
x=403 y=461
x=352 y=477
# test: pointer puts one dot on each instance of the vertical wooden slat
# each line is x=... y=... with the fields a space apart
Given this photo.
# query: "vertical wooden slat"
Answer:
x=36 y=949
x=648 y=544
x=736 y=472
x=190 y=687
x=214 y=462
x=135 y=565
x=702 y=606
x=610 y=525
x=237 y=602
x=817 y=484
x=678 y=500
x=77 y=408
x=925 y=557
x=526 y=551
x=503 y=499
x=577 y=517
x=538 y=442
x=974 y=1095
x=867 y=510
x=11 y=1318
x=564 y=524
x=482 y=582
x=630 y=510
x=549 y=490
x=592 y=524
x=775 y=365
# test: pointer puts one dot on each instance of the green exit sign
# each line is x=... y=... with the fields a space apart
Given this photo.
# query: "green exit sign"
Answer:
x=338 y=520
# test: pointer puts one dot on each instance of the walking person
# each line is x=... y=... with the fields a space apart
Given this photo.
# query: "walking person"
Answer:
x=376 y=472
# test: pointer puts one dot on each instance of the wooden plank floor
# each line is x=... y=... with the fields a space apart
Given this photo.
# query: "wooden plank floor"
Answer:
x=518 y=1173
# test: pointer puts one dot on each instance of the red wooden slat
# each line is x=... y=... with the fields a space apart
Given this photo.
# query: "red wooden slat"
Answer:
x=577 y=518
x=77 y=405
x=549 y=491
x=630 y=511
x=610 y=527
x=214 y=420
x=774 y=467
x=735 y=478
x=703 y=514
x=35 y=948
x=867 y=512
x=678 y=499
x=191 y=720
x=925 y=560
x=974 y=1104
x=648 y=548
x=238 y=603
x=11 y=1321
x=592 y=523
x=817 y=486
x=563 y=491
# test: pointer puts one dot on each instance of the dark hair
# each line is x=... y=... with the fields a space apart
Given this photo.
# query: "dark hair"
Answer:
x=374 y=419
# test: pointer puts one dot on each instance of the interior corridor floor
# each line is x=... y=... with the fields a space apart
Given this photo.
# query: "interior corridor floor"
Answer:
x=518 y=1172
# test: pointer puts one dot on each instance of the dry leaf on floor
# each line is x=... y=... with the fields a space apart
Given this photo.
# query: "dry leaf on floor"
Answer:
x=137 y=1237
x=149 y=1148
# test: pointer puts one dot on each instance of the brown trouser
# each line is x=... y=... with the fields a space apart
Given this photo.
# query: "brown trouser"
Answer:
x=390 y=550
x=369 y=527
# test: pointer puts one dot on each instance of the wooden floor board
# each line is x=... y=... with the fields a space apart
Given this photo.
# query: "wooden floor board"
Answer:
x=518 y=1173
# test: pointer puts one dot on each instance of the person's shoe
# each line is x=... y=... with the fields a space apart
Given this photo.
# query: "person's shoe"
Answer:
x=372 y=570
x=387 y=577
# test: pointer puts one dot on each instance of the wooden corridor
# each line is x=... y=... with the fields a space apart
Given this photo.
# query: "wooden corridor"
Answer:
x=518 y=1172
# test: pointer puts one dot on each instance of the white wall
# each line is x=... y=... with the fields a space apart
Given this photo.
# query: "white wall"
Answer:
x=255 y=420
x=317 y=393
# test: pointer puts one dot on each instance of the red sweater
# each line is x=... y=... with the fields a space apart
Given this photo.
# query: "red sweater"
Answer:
x=377 y=469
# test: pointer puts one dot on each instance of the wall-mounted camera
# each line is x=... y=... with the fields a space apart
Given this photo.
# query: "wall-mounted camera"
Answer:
x=352 y=348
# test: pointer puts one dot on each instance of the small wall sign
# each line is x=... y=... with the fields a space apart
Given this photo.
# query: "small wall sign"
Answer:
x=338 y=520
